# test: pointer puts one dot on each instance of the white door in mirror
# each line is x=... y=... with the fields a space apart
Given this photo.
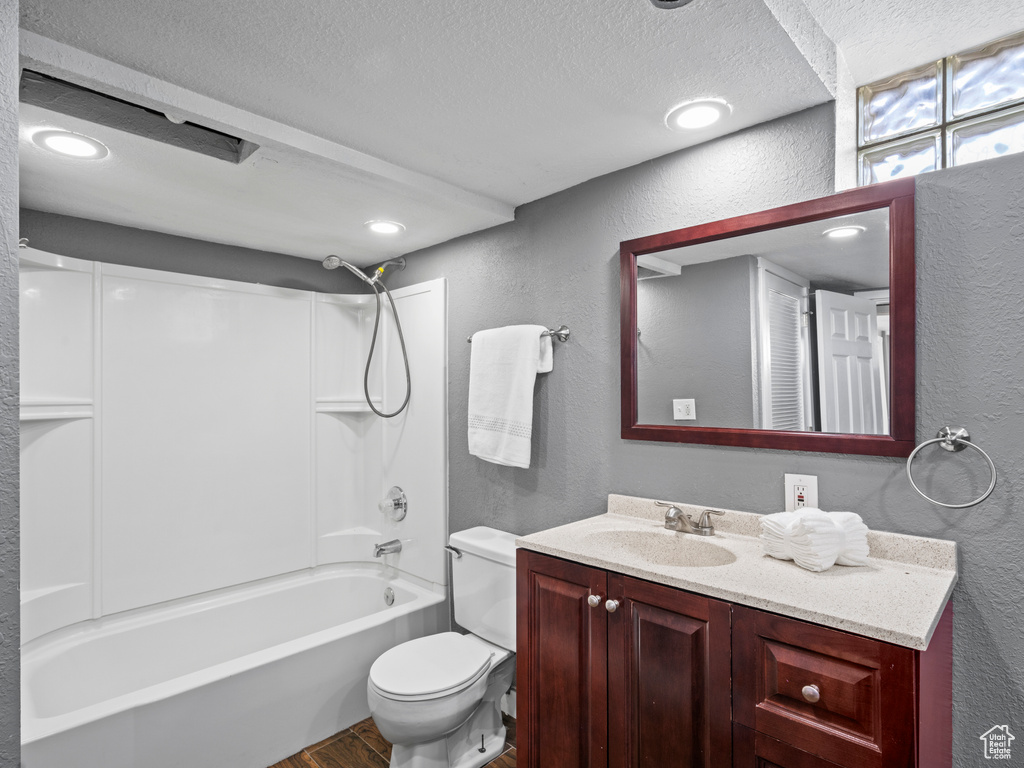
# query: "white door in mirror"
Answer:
x=684 y=410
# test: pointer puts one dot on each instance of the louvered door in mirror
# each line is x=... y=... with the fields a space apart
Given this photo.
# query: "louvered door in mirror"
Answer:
x=790 y=328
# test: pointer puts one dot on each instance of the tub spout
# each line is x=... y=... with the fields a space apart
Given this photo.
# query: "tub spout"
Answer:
x=387 y=548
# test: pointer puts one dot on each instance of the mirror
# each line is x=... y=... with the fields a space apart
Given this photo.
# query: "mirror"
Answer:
x=792 y=328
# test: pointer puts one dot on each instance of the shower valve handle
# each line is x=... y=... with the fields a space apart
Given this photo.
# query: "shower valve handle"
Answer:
x=395 y=504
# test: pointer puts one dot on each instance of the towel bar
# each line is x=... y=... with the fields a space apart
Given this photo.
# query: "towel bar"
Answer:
x=561 y=333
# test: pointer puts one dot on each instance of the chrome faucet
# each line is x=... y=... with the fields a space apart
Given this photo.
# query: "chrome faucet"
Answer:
x=387 y=548
x=677 y=520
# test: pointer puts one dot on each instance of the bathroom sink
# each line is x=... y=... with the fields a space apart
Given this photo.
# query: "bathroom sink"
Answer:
x=659 y=547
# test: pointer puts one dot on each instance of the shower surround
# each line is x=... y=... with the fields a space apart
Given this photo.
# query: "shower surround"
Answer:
x=191 y=446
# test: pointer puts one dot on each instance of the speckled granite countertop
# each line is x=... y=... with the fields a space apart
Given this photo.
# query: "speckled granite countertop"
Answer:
x=898 y=597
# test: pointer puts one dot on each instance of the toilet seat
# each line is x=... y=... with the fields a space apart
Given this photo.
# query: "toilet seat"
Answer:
x=430 y=667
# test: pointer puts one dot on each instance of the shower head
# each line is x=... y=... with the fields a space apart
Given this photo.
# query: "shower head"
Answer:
x=333 y=262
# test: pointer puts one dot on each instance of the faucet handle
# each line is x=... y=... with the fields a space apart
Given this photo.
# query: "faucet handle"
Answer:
x=676 y=519
x=704 y=522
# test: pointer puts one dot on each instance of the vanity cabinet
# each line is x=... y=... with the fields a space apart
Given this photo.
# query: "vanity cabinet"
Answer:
x=615 y=672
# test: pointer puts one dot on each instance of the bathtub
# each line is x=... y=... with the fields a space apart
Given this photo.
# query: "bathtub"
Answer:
x=238 y=678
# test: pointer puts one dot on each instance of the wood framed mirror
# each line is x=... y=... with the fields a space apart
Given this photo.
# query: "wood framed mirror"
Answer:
x=791 y=328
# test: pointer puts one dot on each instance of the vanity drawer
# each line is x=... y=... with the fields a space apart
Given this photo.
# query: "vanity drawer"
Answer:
x=842 y=697
x=755 y=750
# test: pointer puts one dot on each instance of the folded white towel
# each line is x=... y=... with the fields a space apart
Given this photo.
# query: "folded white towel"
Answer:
x=503 y=367
x=855 y=551
x=814 y=539
x=775 y=533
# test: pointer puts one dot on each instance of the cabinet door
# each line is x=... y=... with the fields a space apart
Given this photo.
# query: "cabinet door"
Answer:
x=561 y=696
x=669 y=687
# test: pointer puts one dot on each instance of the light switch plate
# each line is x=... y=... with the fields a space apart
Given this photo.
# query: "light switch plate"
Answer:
x=684 y=410
x=801 y=491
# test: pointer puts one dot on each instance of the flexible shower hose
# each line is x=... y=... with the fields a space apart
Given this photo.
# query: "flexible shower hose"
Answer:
x=373 y=344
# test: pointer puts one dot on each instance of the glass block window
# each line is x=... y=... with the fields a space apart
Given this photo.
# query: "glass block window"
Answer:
x=902 y=104
x=906 y=157
x=960 y=109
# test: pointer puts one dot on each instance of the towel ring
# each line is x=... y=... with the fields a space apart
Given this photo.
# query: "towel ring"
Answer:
x=954 y=440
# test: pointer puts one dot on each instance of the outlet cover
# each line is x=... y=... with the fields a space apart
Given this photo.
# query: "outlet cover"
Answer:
x=801 y=491
x=684 y=410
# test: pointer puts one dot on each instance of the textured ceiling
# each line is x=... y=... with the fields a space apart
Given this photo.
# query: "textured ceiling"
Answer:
x=454 y=112
x=516 y=100
x=880 y=38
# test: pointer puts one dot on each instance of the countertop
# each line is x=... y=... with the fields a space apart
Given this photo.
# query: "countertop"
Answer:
x=897 y=598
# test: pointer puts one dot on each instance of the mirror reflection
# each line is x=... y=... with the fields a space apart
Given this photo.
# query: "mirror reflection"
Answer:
x=783 y=329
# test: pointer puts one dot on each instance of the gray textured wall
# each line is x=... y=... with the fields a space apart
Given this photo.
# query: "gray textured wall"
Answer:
x=10 y=665
x=558 y=263
x=99 y=241
x=695 y=341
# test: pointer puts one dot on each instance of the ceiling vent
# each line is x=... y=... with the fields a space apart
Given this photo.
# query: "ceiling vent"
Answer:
x=85 y=104
x=670 y=4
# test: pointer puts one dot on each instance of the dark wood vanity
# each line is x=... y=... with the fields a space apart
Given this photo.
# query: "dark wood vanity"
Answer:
x=614 y=671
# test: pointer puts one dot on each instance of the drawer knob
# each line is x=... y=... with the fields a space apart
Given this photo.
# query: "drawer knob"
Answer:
x=611 y=606
x=594 y=600
x=811 y=693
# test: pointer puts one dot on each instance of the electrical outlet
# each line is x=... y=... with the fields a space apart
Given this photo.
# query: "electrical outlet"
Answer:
x=684 y=410
x=799 y=496
x=801 y=491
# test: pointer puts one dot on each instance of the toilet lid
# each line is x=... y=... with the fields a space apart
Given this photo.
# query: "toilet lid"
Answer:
x=429 y=665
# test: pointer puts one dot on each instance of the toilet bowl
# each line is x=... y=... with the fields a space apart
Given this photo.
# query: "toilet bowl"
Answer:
x=437 y=699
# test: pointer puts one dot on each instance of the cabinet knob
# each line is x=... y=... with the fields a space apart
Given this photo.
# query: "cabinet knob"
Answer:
x=811 y=693
x=611 y=606
x=594 y=600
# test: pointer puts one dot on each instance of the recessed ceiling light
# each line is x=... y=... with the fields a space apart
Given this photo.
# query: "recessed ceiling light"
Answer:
x=70 y=144
x=694 y=115
x=838 y=233
x=382 y=227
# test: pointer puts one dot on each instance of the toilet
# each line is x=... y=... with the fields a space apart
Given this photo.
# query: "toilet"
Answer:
x=437 y=699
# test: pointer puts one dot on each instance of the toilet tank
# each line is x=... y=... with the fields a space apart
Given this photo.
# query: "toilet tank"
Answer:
x=484 y=584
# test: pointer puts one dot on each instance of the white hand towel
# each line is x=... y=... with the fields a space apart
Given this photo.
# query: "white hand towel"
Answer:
x=816 y=541
x=855 y=552
x=775 y=533
x=503 y=368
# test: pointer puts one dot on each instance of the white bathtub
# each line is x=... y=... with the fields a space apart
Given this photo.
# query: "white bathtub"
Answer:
x=239 y=678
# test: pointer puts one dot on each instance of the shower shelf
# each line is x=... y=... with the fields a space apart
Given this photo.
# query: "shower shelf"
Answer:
x=345 y=406
x=55 y=411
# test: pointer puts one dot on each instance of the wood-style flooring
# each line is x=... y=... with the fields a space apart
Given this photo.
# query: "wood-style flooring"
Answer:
x=362 y=746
